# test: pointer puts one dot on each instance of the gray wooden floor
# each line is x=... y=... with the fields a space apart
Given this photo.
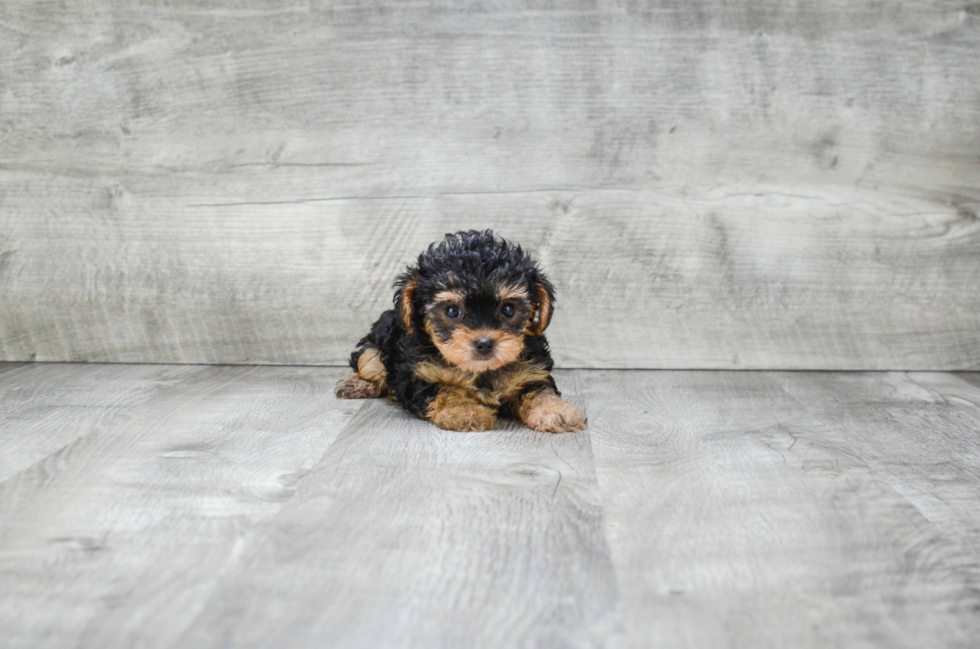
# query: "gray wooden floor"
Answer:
x=195 y=506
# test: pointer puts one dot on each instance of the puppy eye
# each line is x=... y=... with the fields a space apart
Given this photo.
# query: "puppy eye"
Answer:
x=452 y=311
x=507 y=310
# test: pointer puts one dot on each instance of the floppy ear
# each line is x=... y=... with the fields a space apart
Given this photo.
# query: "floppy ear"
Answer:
x=407 y=283
x=544 y=294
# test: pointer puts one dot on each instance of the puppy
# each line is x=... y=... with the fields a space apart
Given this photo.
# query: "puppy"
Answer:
x=465 y=341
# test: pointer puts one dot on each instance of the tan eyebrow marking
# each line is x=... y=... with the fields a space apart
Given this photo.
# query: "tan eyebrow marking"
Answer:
x=450 y=296
x=513 y=293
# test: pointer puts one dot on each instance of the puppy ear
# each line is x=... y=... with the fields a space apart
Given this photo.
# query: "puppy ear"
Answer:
x=544 y=293
x=407 y=284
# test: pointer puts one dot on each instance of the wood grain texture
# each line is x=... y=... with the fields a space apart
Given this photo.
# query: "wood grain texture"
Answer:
x=781 y=509
x=406 y=535
x=7 y=367
x=117 y=538
x=246 y=507
x=45 y=407
x=712 y=184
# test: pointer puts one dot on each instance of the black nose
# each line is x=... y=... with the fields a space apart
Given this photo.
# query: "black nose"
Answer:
x=483 y=345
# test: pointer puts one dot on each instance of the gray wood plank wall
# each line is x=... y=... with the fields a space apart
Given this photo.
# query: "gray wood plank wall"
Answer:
x=711 y=184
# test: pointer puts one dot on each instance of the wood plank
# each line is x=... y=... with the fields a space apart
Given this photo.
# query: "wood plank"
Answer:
x=780 y=509
x=699 y=509
x=973 y=378
x=720 y=279
x=747 y=185
x=118 y=538
x=48 y=406
x=6 y=367
x=922 y=436
x=410 y=536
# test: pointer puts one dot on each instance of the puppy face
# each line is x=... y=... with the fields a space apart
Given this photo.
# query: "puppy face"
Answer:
x=481 y=330
x=476 y=297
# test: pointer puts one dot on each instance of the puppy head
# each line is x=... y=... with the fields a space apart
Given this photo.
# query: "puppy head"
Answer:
x=477 y=297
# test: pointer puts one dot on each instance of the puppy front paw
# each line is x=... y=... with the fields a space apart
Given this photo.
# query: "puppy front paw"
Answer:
x=353 y=386
x=546 y=412
x=452 y=410
x=465 y=418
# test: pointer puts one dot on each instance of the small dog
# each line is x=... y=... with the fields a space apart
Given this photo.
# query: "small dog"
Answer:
x=465 y=340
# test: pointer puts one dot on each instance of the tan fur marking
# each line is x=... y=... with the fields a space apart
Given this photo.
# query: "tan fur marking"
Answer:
x=512 y=293
x=435 y=373
x=370 y=368
x=456 y=409
x=353 y=386
x=459 y=349
x=510 y=384
x=450 y=296
x=458 y=378
x=544 y=310
x=406 y=307
x=503 y=386
x=546 y=412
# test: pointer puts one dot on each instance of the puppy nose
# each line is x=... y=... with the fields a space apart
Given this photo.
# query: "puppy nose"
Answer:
x=483 y=345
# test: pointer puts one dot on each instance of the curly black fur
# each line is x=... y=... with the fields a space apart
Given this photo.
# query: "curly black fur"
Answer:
x=476 y=263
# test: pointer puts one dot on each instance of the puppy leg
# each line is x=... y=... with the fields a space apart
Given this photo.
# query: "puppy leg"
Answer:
x=353 y=386
x=545 y=411
x=370 y=368
x=455 y=409
x=370 y=380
